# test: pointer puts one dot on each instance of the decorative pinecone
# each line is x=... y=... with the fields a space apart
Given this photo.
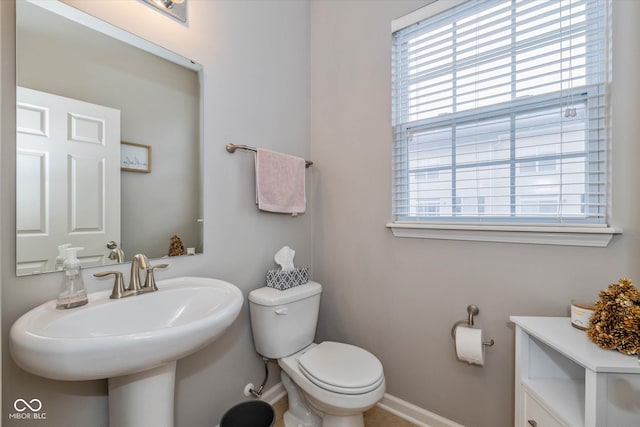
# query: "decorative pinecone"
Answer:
x=615 y=323
x=175 y=247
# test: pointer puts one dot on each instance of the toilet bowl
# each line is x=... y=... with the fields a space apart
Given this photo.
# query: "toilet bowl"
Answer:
x=338 y=381
x=329 y=384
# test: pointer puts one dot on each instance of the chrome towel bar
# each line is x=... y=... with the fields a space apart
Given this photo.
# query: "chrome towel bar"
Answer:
x=231 y=148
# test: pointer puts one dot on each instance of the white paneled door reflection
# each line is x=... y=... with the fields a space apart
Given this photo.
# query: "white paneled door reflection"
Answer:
x=67 y=179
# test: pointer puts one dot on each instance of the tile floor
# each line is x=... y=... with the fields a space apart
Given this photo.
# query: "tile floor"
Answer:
x=374 y=417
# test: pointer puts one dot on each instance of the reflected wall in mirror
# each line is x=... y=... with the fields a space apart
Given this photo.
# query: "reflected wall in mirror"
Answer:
x=155 y=98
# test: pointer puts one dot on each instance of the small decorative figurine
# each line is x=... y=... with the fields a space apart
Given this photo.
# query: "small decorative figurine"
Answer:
x=176 y=248
x=615 y=323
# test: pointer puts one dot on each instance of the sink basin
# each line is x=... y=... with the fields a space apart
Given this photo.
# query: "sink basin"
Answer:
x=108 y=338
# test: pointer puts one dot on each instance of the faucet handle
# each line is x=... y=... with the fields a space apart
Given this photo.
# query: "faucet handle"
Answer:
x=150 y=281
x=118 y=286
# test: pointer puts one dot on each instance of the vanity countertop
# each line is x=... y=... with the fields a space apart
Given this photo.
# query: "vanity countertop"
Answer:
x=558 y=333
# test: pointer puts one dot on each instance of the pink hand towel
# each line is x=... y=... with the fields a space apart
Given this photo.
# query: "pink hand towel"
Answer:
x=280 y=185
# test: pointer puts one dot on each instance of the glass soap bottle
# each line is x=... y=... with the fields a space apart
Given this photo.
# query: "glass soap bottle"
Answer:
x=62 y=254
x=73 y=293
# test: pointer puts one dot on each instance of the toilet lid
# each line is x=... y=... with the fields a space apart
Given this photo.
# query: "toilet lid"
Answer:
x=341 y=368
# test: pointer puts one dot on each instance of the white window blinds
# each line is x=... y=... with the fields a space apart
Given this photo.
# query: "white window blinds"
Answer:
x=499 y=114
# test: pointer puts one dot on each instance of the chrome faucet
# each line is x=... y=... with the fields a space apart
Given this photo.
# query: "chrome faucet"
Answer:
x=139 y=262
x=116 y=254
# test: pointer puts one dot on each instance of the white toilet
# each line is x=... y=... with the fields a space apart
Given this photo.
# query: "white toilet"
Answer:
x=328 y=384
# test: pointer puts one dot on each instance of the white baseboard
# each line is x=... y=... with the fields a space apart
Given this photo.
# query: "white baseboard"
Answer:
x=403 y=409
x=413 y=413
x=274 y=394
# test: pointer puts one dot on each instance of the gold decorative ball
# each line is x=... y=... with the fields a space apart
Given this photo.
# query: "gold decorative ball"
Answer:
x=615 y=323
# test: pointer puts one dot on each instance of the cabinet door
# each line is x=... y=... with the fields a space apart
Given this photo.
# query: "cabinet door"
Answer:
x=537 y=416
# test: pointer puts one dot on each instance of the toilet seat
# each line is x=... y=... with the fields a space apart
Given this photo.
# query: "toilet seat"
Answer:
x=341 y=368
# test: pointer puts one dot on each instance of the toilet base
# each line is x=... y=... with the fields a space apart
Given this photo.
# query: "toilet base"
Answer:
x=300 y=413
x=290 y=420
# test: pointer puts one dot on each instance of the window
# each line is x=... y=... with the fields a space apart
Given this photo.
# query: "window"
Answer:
x=499 y=114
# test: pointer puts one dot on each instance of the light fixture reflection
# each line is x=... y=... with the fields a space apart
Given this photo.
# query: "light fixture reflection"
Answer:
x=175 y=8
x=169 y=4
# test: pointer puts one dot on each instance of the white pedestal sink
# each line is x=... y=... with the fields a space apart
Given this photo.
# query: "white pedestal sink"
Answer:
x=134 y=342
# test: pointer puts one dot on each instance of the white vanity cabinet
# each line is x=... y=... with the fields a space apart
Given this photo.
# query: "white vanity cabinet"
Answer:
x=563 y=379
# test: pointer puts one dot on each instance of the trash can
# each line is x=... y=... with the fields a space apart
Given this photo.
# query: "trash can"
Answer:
x=253 y=413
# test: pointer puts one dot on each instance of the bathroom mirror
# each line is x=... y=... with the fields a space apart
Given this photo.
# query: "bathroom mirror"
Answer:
x=145 y=196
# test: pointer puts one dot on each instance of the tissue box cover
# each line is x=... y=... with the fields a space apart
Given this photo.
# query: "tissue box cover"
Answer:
x=281 y=279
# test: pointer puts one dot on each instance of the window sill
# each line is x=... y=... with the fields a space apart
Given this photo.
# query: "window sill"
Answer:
x=529 y=234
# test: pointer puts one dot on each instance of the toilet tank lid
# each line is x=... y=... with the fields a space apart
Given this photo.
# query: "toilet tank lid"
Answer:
x=271 y=296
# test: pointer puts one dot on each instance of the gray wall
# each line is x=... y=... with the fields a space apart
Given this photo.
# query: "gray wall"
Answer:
x=256 y=83
x=399 y=297
x=395 y=297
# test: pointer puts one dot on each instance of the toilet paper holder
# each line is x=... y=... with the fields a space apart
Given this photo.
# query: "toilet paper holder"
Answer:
x=472 y=310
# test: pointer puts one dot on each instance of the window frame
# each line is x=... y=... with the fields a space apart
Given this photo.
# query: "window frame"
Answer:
x=495 y=229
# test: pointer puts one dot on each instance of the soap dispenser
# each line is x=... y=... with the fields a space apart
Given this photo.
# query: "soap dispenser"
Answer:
x=73 y=293
x=62 y=254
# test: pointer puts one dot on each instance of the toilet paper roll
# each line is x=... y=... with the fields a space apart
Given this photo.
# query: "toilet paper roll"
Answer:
x=469 y=346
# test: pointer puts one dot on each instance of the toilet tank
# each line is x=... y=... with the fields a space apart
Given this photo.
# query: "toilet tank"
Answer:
x=284 y=322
